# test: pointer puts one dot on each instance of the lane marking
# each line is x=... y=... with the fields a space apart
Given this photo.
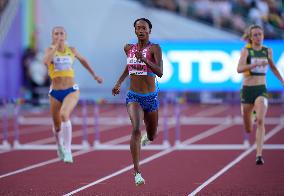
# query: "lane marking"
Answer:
x=75 y=134
x=235 y=161
x=151 y=158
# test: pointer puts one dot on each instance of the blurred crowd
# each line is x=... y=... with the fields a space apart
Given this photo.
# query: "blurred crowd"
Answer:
x=230 y=15
x=3 y=4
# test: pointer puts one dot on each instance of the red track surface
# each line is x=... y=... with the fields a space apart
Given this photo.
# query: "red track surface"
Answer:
x=167 y=172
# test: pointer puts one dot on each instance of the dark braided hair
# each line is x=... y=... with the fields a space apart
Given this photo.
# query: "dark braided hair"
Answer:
x=144 y=19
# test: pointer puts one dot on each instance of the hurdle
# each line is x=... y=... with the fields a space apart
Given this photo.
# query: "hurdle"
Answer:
x=5 y=145
x=17 y=145
x=98 y=145
x=221 y=124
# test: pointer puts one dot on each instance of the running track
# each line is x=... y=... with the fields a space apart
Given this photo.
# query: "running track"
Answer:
x=167 y=172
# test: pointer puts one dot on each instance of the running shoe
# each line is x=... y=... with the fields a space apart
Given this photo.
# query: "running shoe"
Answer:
x=138 y=179
x=60 y=152
x=68 y=157
x=144 y=140
x=259 y=160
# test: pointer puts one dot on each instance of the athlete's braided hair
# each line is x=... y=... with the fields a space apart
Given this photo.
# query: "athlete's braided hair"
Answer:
x=144 y=19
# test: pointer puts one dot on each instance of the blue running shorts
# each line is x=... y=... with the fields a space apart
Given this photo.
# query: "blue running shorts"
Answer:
x=149 y=102
x=61 y=94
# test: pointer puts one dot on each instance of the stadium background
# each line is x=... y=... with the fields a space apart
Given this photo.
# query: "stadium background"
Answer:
x=99 y=30
x=201 y=148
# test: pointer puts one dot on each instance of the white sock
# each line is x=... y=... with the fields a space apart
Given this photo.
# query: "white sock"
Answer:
x=66 y=128
x=58 y=137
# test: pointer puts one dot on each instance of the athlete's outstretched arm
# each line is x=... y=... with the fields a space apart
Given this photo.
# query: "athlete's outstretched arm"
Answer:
x=85 y=63
x=157 y=67
x=273 y=67
x=116 y=88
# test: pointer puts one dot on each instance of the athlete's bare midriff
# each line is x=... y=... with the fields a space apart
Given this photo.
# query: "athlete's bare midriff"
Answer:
x=60 y=83
x=142 y=84
x=254 y=80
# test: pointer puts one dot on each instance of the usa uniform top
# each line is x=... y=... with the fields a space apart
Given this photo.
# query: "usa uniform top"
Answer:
x=136 y=66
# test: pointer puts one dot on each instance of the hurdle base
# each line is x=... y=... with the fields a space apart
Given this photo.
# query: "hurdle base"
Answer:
x=211 y=146
x=5 y=145
x=101 y=146
x=18 y=146
x=244 y=146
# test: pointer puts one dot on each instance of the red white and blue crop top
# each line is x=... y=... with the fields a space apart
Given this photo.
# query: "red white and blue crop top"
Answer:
x=137 y=67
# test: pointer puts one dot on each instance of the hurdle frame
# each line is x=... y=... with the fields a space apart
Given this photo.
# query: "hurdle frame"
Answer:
x=97 y=145
x=34 y=146
x=5 y=144
x=230 y=121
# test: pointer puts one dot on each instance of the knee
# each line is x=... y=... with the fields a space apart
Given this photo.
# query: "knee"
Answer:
x=136 y=133
x=260 y=122
x=248 y=128
x=64 y=116
x=56 y=125
x=56 y=128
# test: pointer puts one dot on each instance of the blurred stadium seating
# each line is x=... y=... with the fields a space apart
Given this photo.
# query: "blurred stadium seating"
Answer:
x=229 y=15
x=201 y=27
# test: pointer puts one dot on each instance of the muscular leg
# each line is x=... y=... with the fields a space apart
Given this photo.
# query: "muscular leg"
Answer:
x=58 y=133
x=67 y=107
x=55 y=114
x=151 y=122
x=135 y=111
x=261 y=109
x=247 y=111
x=55 y=107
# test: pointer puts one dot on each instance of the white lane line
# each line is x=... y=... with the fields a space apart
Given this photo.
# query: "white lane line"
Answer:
x=234 y=162
x=208 y=133
x=32 y=167
x=151 y=158
x=115 y=141
x=75 y=134
x=111 y=142
x=148 y=159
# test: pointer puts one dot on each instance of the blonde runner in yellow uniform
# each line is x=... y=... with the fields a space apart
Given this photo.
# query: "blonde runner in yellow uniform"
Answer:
x=64 y=92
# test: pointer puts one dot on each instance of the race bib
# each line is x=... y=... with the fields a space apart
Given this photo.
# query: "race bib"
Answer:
x=62 y=63
x=137 y=69
x=259 y=69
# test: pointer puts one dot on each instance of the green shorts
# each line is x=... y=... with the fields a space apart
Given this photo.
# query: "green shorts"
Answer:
x=250 y=93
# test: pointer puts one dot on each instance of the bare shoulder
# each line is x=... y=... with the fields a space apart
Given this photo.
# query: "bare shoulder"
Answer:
x=73 y=49
x=155 y=48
